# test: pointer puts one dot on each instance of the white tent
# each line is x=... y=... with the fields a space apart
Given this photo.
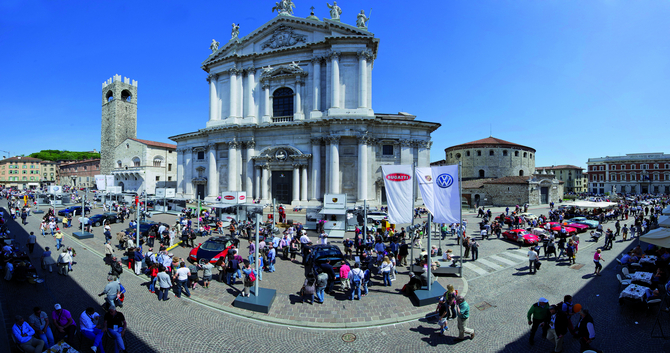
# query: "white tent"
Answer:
x=666 y=210
x=591 y=204
x=658 y=236
x=664 y=221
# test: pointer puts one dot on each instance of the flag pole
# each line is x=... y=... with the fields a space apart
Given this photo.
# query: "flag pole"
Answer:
x=411 y=238
x=460 y=216
x=430 y=258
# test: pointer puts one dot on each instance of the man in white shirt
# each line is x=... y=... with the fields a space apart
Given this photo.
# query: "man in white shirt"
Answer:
x=181 y=275
x=532 y=257
x=89 y=321
x=304 y=240
x=323 y=238
x=24 y=336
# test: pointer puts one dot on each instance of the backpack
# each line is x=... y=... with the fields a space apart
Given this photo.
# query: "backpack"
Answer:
x=439 y=252
x=356 y=278
x=251 y=277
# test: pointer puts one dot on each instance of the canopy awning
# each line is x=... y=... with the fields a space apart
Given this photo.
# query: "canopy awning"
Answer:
x=591 y=204
x=658 y=236
x=664 y=221
x=333 y=211
x=666 y=210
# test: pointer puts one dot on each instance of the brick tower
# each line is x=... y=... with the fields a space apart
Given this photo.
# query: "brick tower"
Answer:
x=119 y=118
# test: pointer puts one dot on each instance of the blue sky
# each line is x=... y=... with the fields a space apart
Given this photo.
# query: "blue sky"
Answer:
x=572 y=79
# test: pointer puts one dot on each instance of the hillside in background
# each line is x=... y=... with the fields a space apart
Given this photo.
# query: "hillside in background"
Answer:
x=56 y=155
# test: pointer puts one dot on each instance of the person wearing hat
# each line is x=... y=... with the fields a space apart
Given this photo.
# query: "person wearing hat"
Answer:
x=463 y=314
x=538 y=315
x=115 y=325
x=23 y=334
x=65 y=325
x=558 y=327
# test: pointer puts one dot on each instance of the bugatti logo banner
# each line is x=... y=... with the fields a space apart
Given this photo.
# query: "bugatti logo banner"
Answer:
x=398 y=177
x=229 y=197
x=398 y=183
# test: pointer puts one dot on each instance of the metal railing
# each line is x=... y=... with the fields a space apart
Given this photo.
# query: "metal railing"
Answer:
x=282 y=119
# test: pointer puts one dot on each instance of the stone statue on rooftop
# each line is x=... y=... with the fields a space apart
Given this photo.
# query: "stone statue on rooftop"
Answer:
x=235 y=31
x=214 y=46
x=362 y=20
x=284 y=7
x=335 y=11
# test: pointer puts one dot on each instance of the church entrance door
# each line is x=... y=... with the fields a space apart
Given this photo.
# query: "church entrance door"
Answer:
x=544 y=195
x=200 y=192
x=282 y=186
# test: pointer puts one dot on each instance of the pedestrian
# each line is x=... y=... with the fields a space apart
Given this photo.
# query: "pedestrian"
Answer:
x=463 y=312
x=32 y=239
x=474 y=249
x=47 y=261
x=164 y=283
x=450 y=298
x=112 y=291
x=206 y=274
x=321 y=283
x=558 y=327
x=64 y=260
x=181 y=277
x=538 y=315
x=585 y=330
x=108 y=252
x=385 y=269
x=59 y=239
x=249 y=279
x=115 y=324
x=138 y=257
x=344 y=276
x=73 y=254
x=532 y=258
x=308 y=289
x=355 y=278
x=571 y=251
x=597 y=257
x=442 y=311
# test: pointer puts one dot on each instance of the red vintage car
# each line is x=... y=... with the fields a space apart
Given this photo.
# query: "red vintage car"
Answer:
x=581 y=228
x=521 y=236
x=568 y=230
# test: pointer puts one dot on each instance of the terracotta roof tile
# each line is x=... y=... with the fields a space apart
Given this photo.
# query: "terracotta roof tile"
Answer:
x=562 y=166
x=488 y=142
x=155 y=144
x=474 y=183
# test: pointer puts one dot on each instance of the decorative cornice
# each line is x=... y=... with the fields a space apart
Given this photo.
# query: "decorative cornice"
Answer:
x=334 y=54
x=250 y=144
x=333 y=139
x=234 y=71
x=316 y=140
x=211 y=77
x=265 y=84
x=233 y=144
x=317 y=59
x=406 y=143
x=211 y=146
x=250 y=69
x=366 y=54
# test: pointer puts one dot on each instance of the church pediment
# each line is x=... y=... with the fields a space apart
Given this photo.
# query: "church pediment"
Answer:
x=281 y=33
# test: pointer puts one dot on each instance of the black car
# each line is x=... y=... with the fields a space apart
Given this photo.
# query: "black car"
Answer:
x=321 y=253
x=145 y=226
x=212 y=249
x=100 y=219
x=75 y=210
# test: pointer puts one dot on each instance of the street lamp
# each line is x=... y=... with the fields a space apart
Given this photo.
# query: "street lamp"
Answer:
x=9 y=155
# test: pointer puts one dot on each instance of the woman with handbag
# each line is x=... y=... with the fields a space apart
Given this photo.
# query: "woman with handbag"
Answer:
x=308 y=290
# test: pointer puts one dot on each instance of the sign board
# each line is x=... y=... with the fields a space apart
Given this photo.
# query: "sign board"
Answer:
x=114 y=189
x=233 y=197
x=101 y=182
x=163 y=192
x=56 y=190
x=335 y=201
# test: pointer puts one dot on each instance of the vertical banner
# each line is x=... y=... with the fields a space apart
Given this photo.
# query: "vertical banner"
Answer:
x=100 y=182
x=424 y=176
x=447 y=201
x=110 y=180
x=399 y=183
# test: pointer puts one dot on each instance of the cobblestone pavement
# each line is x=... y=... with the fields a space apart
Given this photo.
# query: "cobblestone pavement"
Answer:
x=499 y=300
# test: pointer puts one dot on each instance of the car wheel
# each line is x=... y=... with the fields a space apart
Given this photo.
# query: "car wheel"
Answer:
x=97 y=224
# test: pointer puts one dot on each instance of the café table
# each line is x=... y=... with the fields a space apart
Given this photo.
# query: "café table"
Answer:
x=62 y=347
x=649 y=259
x=633 y=291
x=644 y=277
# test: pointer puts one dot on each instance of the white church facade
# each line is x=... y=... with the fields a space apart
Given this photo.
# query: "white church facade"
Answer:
x=291 y=117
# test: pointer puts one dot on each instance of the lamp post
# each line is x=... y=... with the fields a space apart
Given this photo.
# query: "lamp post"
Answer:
x=9 y=155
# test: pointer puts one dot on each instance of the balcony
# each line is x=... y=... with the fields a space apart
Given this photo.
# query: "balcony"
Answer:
x=282 y=119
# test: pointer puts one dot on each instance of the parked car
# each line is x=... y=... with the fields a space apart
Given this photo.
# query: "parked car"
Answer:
x=145 y=226
x=581 y=228
x=322 y=253
x=100 y=219
x=212 y=249
x=377 y=216
x=528 y=216
x=521 y=236
x=75 y=210
x=592 y=224
x=507 y=220
x=568 y=230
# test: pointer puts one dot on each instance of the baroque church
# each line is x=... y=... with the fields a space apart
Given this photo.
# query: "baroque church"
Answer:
x=291 y=116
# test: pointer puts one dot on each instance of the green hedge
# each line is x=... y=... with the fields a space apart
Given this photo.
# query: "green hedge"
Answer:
x=56 y=155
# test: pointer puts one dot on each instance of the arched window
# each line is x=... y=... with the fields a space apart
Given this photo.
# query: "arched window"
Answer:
x=479 y=153
x=481 y=173
x=467 y=153
x=458 y=155
x=516 y=153
x=282 y=102
x=158 y=161
x=504 y=152
x=119 y=165
x=126 y=96
x=491 y=153
x=136 y=162
x=525 y=155
x=521 y=172
x=109 y=96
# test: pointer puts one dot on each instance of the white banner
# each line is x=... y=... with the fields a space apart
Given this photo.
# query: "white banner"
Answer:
x=424 y=176
x=398 y=181
x=447 y=201
x=110 y=180
x=100 y=182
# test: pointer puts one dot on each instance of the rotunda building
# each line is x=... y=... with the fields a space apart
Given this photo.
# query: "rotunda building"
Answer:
x=492 y=158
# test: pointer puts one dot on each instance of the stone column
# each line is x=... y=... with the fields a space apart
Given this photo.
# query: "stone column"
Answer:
x=362 y=79
x=213 y=173
x=316 y=83
x=316 y=168
x=188 y=170
x=249 y=99
x=251 y=151
x=303 y=182
x=298 y=97
x=213 y=98
x=296 y=182
x=406 y=152
x=232 y=104
x=266 y=102
x=257 y=184
x=264 y=182
x=362 y=168
x=423 y=153
x=239 y=94
x=232 y=165
x=334 y=164
x=180 y=170
x=335 y=79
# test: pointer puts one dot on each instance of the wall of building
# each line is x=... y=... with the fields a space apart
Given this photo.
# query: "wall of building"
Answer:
x=119 y=118
x=497 y=165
